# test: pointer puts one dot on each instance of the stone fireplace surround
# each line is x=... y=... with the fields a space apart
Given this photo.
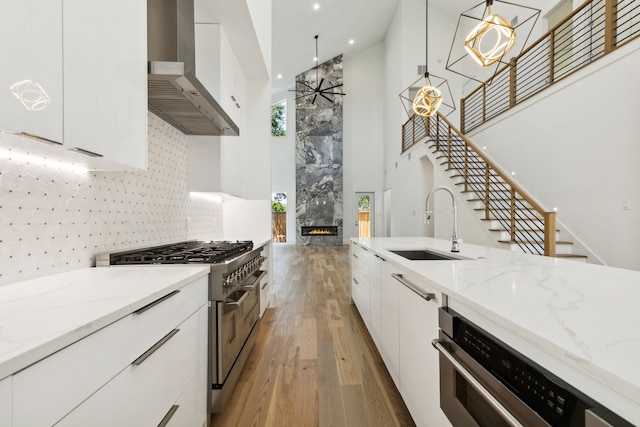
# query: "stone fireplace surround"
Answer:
x=319 y=162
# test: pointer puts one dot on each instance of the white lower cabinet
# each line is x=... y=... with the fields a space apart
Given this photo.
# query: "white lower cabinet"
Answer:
x=265 y=281
x=389 y=318
x=419 y=372
x=191 y=406
x=76 y=377
x=145 y=391
x=375 y=298
x=6 y=400
x=400 y=310
x=360 y=286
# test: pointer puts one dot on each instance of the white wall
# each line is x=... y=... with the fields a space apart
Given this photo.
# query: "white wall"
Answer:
x=283 y=163
x=258 y=141
x=404 y=51
x=363 y=134
x=577 y=148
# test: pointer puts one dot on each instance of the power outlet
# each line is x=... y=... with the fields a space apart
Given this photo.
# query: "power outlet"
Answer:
x=626 y=205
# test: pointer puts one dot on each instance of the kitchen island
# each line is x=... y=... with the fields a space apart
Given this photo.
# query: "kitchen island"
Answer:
x=574 y=319
x=105 y=340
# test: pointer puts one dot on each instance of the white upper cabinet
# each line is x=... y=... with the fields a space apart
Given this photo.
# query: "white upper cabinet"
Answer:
x=105 y=79
x=31 y=93
x=75 y=72
x=232 y=82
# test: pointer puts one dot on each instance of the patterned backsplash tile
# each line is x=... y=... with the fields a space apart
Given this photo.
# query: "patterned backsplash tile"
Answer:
x=54 y=217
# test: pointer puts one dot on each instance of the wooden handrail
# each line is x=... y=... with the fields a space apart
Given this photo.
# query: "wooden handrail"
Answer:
x=517 y=193
x=493 y=166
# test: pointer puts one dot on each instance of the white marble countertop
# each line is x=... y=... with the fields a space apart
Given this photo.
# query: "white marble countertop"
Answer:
x=582 y=315
x=41 y=316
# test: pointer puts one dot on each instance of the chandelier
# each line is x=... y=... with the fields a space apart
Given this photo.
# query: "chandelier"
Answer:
x=488 y=39
x=306 y=90
x=427 y=99
x=491 y=39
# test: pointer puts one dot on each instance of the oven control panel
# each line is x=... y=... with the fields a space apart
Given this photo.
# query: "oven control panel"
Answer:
x=548 y=398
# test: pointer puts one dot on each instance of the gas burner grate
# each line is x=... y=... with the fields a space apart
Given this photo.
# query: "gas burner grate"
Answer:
x=192 y=252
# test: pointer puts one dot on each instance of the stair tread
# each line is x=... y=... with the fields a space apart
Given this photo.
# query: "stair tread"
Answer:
x=523 y=208
x=570 y=256
x=540 y=242
x=524 y=230
x=505 y=219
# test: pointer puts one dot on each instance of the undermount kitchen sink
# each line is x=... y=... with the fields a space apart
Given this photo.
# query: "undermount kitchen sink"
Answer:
x=422 y=255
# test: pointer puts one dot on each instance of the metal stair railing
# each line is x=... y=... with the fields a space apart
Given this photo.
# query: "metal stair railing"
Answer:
x=593 y=30
x=529 y=226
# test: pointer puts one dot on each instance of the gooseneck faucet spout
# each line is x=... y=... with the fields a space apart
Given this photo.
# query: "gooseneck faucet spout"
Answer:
x=455 y=238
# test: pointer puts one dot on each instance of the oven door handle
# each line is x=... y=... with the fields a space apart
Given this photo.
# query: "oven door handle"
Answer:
x=235 y=304
x=504 y=412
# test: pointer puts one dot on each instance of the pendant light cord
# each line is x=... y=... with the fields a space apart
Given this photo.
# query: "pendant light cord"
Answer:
x=426 y=41
x=317 y=59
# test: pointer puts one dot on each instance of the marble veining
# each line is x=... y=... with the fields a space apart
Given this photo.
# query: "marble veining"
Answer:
x=319 y=162
x=583 y=316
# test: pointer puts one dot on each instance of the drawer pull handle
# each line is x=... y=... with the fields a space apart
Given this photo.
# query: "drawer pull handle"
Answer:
x=167 y=417
x=155 y=347
x=355 y=281
x=426 y=295
x=265 y=285
x=379 y=257
x=156 y=302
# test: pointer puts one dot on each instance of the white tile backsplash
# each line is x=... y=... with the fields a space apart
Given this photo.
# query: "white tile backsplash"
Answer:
x=53 y=219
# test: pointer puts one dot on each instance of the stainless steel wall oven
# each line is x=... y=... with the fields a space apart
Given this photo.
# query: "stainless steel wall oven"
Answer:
x=483 y=382
x=234 y=301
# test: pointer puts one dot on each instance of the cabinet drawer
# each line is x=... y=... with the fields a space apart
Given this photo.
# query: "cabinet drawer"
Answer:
x=5 y=401
x=264 y=293
x=60 y=382
x=191 y=406
x=142 y=393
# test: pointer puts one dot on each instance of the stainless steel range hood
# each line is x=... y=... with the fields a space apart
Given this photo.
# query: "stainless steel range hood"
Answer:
x=175 y=94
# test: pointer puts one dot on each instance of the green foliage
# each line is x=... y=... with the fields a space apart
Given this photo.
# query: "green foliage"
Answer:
x=364 y=203
x=277 y=206
x=278 y=119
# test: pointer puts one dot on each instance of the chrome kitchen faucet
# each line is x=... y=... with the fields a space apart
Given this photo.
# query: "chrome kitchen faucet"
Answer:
x=455 y=238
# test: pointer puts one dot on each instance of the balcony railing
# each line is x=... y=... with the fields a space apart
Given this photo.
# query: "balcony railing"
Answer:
x=593 y=30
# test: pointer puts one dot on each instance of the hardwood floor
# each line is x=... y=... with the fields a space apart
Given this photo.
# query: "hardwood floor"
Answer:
x=314 y=363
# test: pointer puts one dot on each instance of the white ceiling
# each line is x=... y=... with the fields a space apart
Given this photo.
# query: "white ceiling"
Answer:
x=295 y=23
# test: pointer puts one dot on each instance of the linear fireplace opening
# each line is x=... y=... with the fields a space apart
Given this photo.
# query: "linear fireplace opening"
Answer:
x=320 y=230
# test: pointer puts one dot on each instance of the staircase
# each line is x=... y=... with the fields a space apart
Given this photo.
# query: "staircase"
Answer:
x=516 y=219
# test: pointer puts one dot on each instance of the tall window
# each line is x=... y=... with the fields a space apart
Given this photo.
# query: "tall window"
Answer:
x=279 y=118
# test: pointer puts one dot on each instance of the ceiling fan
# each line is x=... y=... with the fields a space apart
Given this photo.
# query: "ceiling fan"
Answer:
x=308 y=90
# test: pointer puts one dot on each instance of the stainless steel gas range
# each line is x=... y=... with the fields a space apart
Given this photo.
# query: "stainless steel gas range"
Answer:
x=234 y=296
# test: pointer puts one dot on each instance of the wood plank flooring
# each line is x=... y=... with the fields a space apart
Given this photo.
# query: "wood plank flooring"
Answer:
x=314 y=363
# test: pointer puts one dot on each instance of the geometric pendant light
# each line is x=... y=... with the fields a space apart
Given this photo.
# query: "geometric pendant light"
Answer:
x=485 y=41
x=491 y=39
x=427 y=99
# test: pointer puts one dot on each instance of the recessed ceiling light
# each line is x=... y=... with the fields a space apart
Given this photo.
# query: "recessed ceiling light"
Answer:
x=316 y=6
x=351 y=41
x=279 y=76
x=315 y=58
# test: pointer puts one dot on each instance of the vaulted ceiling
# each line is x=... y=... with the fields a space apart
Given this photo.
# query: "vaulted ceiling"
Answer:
x=336 y=22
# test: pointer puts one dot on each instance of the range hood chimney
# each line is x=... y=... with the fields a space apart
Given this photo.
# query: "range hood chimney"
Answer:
x=175 y=94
